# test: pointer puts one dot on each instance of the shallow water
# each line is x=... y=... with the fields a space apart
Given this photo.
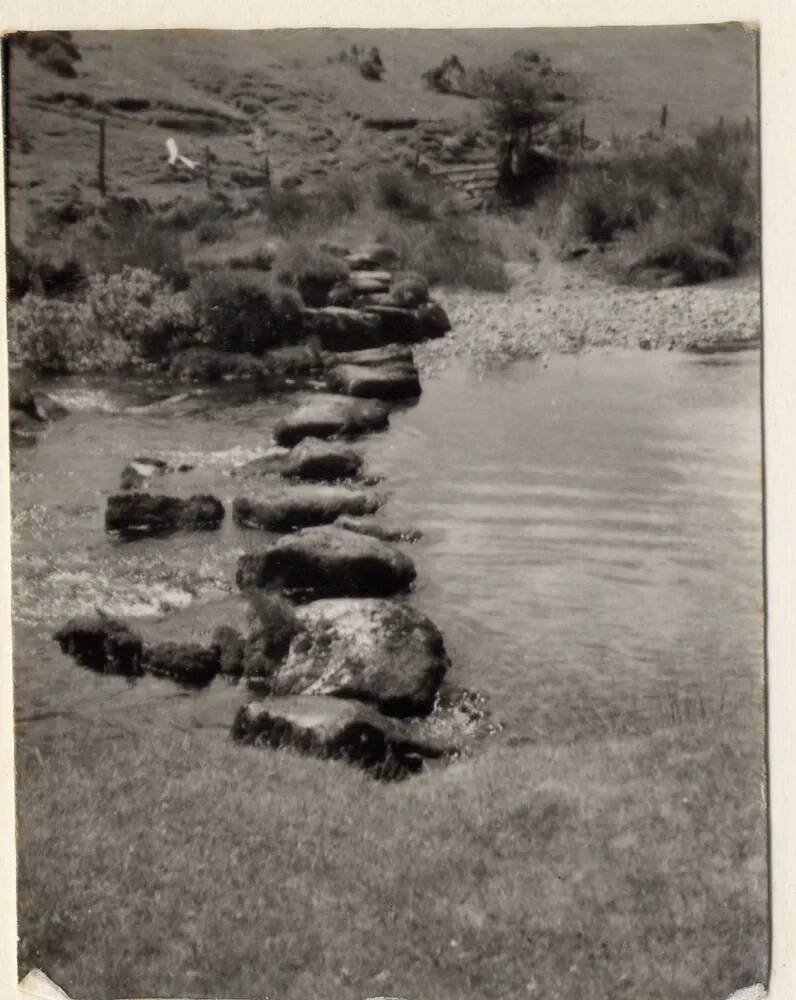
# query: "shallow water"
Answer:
x=592 y=545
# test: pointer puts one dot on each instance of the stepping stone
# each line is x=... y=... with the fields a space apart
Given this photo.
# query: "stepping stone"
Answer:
x=342 y=329
x=371 y=257
x=331 y=416
x=377 y=529
x=328 y=562
x=393 y=382
x=302 y=506
x=311 y=459
x=374 y=650
x=334 y=728
x=390 y=354
x=367 y=282
x=139 y=514
x=102 y=643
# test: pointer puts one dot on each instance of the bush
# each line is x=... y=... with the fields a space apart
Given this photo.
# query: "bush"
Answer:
x=690 y=261
x=455 y=251
x=312 y=271
x=695 y=205
x=120 y=321
x=244 y=311
x=406 y=195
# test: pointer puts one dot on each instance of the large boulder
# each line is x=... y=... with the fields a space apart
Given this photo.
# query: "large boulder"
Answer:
x=24 y=398
x=331 y=416
x=371 y=649
x=399 y=381
x=328 y=562
x=302 y=506
x=137 y=514
x=102 y=643
x=312 y=459
x=378 y=529
x=377 y=357
x=228 y=647
x=342 y=329
x=188 y=663
x=432 y=321
x=334 y=728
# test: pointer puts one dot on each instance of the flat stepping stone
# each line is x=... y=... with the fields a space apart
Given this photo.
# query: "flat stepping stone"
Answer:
x=390 y=354
x=302 y=506
x=334 y=728
x=328 y=562
x=139 y=514
x=366 y=282
x=331 y=416
x=377 y=529
x=374 y=650
x=398 y=381
x=312 y=459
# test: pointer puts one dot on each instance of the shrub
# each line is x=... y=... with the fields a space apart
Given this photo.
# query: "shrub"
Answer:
x=312 y=271
x=455 y=251
x=407 y=195
x=244 y=311
x=692 y=262
x=120 y=321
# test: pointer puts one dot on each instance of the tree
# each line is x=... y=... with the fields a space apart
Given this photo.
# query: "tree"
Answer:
x=522 y=103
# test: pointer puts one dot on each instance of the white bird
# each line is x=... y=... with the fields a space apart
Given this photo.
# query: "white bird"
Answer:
x=175 y=156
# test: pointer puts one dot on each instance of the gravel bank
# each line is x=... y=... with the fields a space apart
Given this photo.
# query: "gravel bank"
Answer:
x=556 y=307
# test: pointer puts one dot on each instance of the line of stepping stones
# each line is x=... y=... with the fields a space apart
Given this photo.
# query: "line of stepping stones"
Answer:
x=341 y=668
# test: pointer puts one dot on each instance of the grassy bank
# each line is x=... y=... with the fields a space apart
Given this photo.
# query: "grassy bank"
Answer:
x=610 y=867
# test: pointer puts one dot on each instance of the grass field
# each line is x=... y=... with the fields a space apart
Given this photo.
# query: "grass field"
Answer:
x=615 y=867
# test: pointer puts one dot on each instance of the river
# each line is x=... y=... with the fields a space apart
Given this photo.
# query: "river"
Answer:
x=592 y=538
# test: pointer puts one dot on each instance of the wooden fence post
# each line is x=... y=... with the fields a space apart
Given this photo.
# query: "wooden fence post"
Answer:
x=664 y=115
x=267 y=174
x=582 y=132
x=101 y=162
x=208 y=176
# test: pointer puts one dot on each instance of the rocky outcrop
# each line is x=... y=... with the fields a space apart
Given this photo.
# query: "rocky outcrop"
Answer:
x=397 y=381
x=102 y=643
x=302 y=506
x=336 y=728
x=378 y=529
x=188 y=663
x=138 y=514
x=374 y=650
x=328 y=562
x=331 y=416
x=30 y=411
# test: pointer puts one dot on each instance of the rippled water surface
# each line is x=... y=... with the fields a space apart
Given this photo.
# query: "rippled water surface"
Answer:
x=592 y=543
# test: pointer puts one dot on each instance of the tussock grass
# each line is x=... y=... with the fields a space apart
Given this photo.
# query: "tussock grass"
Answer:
x=610 y=867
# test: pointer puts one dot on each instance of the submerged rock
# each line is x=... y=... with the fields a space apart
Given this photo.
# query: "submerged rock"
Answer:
x=334 y=728
x=102 y=643
x=397 y=381
x=136 y=514
x=204 y=364
x=371 y=649
x=331 y=416
x=302 y=506
x=188 y=663
x=328 y=562
x=377 y=529
x=140 y=470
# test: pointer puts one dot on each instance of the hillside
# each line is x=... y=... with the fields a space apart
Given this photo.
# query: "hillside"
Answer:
x=243 y=96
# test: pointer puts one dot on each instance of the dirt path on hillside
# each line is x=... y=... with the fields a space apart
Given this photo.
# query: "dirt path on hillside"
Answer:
x=553 y=306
